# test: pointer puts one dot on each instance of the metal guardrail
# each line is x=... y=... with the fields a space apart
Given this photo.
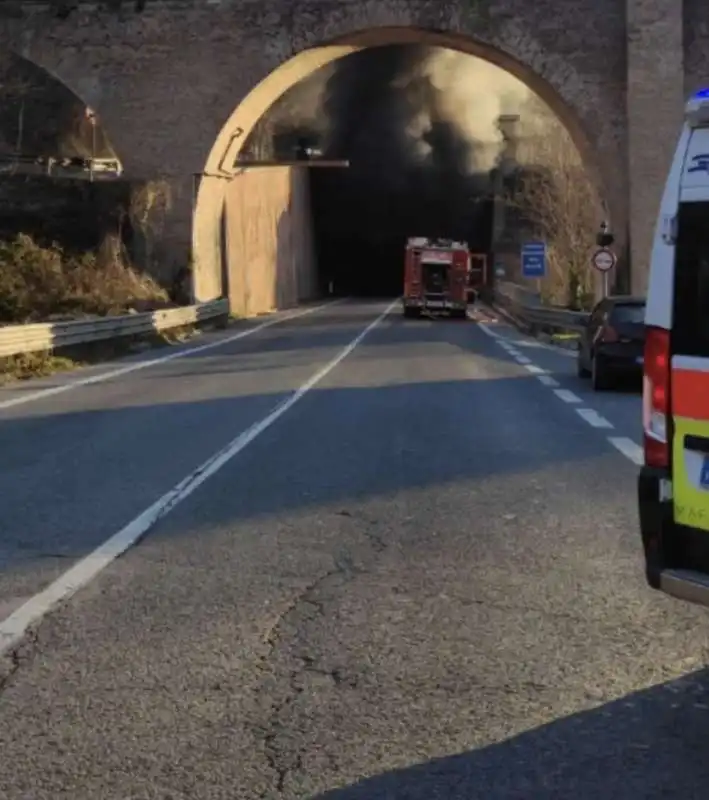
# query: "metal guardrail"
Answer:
x=526 y=308
x=49 y=336
x=51 y=166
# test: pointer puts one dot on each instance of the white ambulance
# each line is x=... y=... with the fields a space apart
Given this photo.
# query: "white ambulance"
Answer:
x=673 y=486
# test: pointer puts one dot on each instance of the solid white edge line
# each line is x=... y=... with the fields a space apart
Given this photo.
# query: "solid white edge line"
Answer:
x=40 y=394
x=567 y=396
x=14 y=627
x=630 y=449
x=593 y=418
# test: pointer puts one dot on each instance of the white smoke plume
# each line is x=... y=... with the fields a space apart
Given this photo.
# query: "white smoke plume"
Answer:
x=471 y=94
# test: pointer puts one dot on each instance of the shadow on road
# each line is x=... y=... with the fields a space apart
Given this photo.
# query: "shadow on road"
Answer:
x=649 y=744
x=80 y=466
x=75 y=478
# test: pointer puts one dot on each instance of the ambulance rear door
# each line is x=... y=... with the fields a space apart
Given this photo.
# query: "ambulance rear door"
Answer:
x=689 y=342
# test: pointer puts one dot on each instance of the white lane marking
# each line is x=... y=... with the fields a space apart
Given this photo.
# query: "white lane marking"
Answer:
x=13 y=628
x=40 y=394
x=593 y=418
x=567 y=396
x=504 y=342
x=627 y=447
x=488 y=331
x=630 y=449
x=547 y=380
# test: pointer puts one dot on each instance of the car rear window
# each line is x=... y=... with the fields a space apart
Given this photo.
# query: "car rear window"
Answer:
x=690 y=330
x=632 y=312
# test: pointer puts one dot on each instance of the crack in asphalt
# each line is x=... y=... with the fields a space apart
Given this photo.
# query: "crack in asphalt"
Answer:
x=16 y=658
x=281 y=766
x=344 y=568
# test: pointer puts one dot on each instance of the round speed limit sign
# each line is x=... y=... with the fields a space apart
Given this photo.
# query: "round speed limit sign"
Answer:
x=604 y=259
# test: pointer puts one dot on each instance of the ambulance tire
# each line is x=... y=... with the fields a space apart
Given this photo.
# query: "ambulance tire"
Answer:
x=459 y=313
x=412 y=313
x=600 y=374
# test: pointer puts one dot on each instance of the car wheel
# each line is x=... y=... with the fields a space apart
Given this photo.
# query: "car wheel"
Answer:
x=600 y=377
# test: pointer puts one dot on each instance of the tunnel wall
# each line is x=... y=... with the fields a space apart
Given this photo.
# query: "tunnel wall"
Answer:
x=270 y=254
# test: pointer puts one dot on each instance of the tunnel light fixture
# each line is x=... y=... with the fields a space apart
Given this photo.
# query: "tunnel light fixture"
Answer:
x=696 y=111
x=315 y=162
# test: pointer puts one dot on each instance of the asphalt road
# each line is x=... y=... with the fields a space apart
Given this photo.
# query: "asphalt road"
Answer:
x=421 y=581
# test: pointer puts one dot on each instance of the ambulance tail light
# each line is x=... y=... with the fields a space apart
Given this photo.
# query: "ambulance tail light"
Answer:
x=656 y=397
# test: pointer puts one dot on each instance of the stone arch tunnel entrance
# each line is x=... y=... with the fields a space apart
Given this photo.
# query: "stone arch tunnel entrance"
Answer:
x=419 y=122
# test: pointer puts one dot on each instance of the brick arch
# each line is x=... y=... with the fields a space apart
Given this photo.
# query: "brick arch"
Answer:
x=557 y=84
x=65 y=95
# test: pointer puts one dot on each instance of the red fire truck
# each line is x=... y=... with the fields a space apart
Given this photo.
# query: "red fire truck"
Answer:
x=436 y=277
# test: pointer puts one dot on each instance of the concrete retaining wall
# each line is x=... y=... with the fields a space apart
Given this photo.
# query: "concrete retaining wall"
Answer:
x=270 y=254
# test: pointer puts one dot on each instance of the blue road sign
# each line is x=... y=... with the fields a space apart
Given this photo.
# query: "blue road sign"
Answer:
x=534 y=259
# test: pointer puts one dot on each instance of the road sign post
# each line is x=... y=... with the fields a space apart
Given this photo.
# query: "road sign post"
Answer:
x=604 y=260
x=534 y=261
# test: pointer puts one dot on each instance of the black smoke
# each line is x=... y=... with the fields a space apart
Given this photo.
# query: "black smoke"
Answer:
x=410 y=166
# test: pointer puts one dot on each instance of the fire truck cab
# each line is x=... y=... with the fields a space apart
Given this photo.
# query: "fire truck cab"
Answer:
x=436 y=277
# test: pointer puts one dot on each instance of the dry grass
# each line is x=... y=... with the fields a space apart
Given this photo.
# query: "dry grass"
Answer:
x=43 y=283
x=33 y=365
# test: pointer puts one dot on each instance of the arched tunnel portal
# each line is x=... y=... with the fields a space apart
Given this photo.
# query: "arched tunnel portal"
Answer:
x=253 y=224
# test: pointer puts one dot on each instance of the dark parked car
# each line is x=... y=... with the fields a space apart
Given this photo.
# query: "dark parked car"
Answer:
x=612 y=343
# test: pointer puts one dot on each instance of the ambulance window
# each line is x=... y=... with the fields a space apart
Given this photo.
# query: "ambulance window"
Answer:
x=690 y=332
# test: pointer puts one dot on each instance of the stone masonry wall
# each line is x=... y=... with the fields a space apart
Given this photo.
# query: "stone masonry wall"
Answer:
x=655 y=103
x=165 y=81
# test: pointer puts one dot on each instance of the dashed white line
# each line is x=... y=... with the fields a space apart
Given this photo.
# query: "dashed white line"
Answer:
x=40 y=394
x=624 y=445
x=14 y=627
x=594 y=419
x=630 y=449
x=547 y=380
x=567 y=396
